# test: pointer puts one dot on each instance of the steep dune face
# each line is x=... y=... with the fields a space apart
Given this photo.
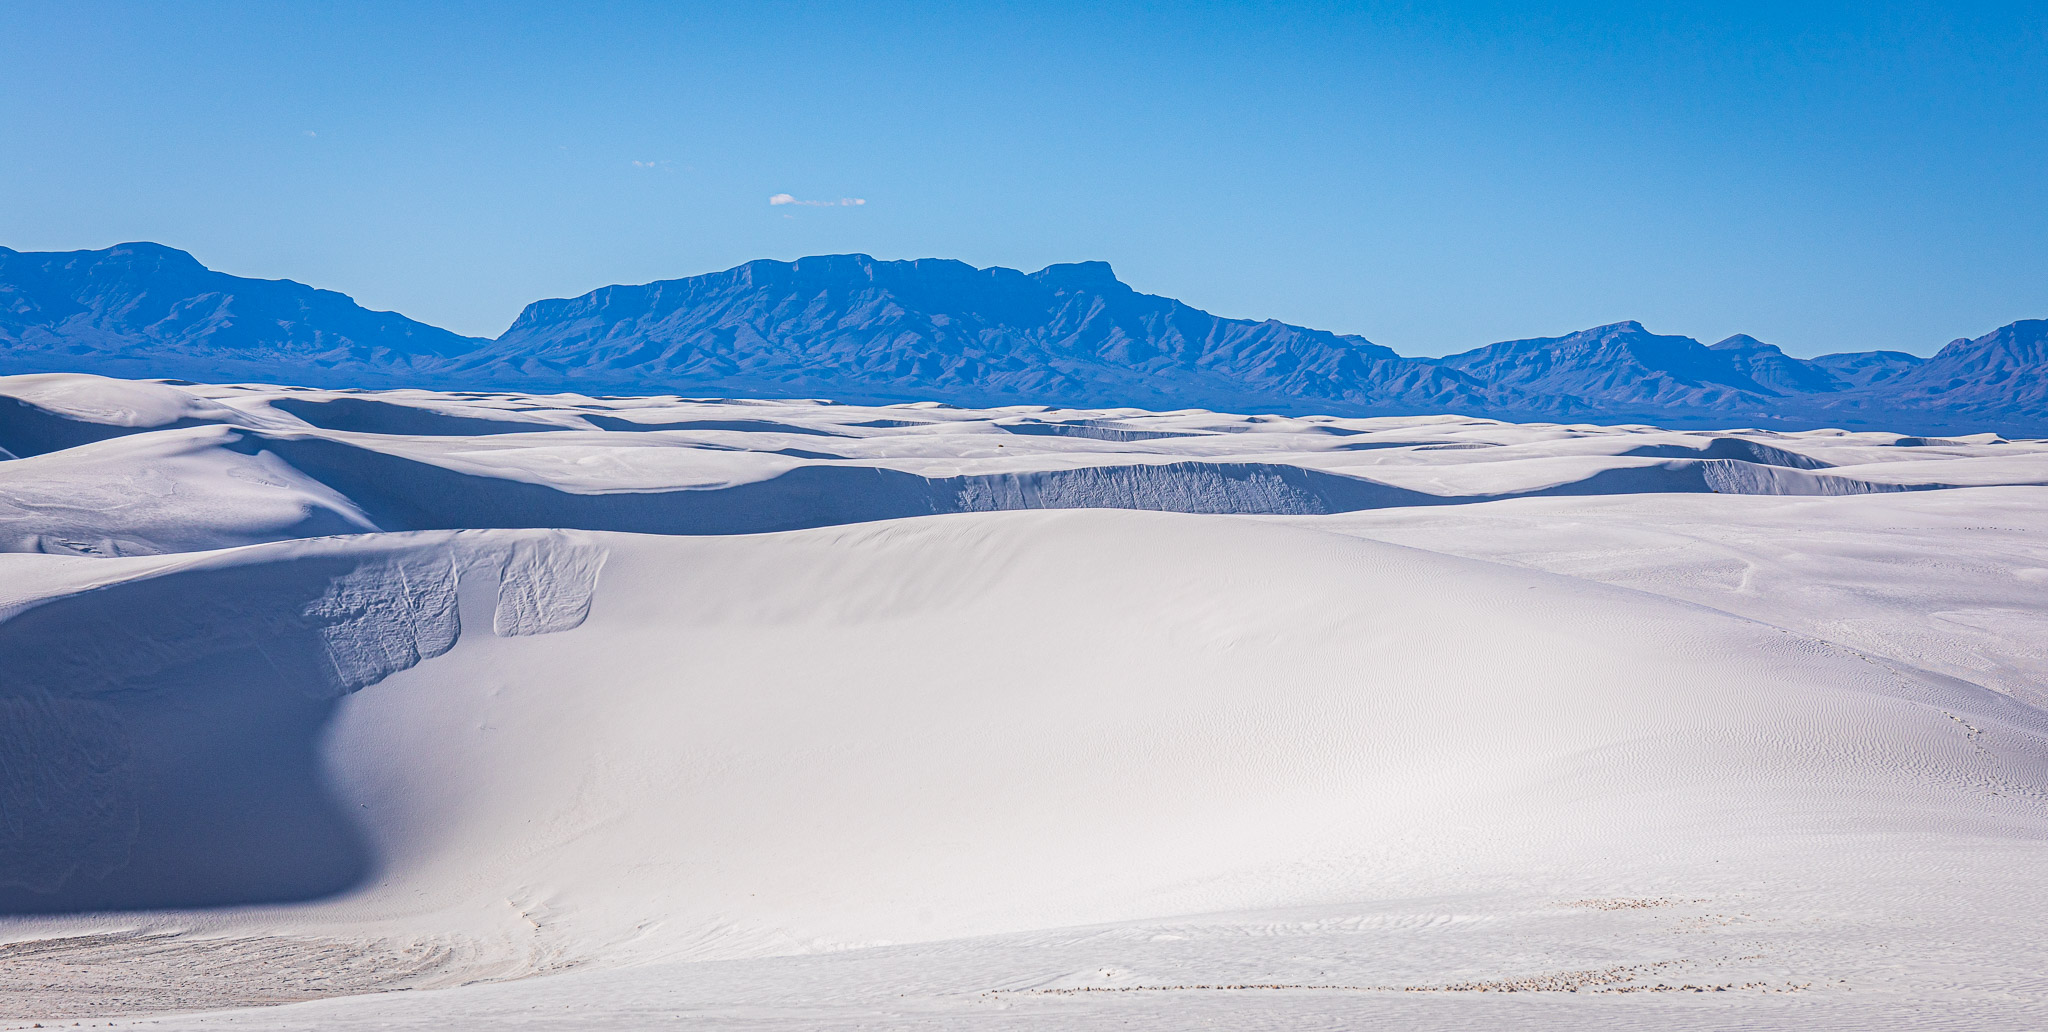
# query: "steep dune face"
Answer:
x=163 y=742
x=52 y=412
x=307 y=693
x=964 y=725
x=179 y=490
x=976 y=724
x=128 y=469
x=237 y=487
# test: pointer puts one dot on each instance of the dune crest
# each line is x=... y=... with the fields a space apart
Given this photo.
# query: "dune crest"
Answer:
x=938 y=720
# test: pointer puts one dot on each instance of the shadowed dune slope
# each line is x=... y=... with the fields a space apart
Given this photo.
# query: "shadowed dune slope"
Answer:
x=922 y=728
x=162 y=746
x=309 y=692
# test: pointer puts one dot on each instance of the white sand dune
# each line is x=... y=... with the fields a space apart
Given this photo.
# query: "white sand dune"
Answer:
x=143 y=472
x=950 y=730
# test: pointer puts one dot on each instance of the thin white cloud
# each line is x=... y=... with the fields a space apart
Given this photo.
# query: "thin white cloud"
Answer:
x=310 y=134
x=843 y=202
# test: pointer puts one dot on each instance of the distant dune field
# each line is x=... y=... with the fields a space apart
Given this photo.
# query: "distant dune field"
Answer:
x=619 y=713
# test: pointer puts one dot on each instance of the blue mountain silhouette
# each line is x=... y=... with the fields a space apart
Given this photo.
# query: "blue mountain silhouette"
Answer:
x=146 y=310
x=853 y=328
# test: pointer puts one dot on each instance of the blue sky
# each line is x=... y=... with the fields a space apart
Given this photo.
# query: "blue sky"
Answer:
x=1435 y=177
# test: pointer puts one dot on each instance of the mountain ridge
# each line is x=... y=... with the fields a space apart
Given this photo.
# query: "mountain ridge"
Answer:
x=856 y=328
x=138 y=306
x=853 y=326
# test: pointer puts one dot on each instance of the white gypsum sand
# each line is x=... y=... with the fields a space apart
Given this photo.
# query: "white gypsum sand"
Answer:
x=631 y=713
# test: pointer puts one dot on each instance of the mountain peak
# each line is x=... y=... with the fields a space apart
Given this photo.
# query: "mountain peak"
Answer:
x=141 y=308
x=2028 y=337
x=826 y=266
x=147 y=253
x=854 y=327
x=1084 y=275
x=149 y=247
x=1745 y=342
x=847 y=326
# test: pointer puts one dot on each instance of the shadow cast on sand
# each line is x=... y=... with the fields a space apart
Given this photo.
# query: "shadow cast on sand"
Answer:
x=399 y=493
x=160 y=740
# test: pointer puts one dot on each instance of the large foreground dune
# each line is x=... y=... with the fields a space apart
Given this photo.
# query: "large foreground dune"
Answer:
x=629 y=713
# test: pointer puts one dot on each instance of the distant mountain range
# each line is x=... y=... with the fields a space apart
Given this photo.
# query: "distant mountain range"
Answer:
x=852 y=328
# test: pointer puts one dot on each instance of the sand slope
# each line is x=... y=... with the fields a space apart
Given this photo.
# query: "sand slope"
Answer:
x=1595 y=744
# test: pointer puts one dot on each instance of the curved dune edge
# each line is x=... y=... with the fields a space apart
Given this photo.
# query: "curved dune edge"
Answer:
x=984 y=724
x=402 y=704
